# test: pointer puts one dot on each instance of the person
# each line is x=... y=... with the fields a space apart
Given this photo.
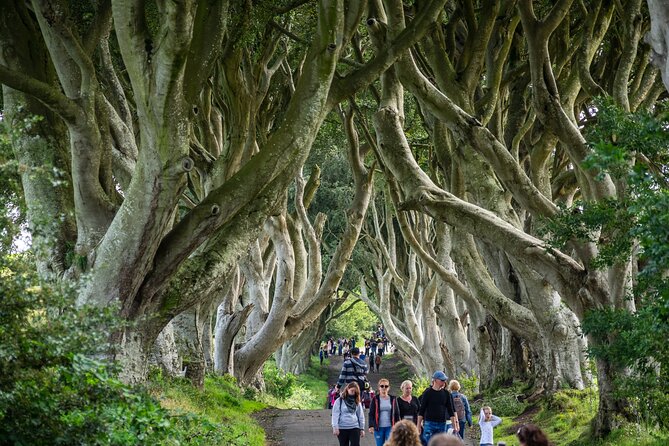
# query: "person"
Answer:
x=407 y=403
x=487 y=421
x=353 y=370
x=444 y=439
x=531 y=435
x=367 y=395
x=348 y=416
x=377 y=361
x=321 y=355
x=332 y=395
x=383 y=413
x=404 y=433
x=461 y=406
x=436 y=406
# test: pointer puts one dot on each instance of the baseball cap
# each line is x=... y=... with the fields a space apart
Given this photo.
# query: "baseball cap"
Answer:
x=440 y=376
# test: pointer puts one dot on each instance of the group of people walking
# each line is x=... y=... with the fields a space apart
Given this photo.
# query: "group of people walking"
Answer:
x=437 y=418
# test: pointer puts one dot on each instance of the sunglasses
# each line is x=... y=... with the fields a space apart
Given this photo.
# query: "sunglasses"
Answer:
x=384 y=386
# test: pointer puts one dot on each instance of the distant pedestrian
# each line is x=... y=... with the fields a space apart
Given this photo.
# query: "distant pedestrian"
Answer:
x=487 y=421
x=531 y=435
x=348 y=416
x=377 y=362
x=461 y=406
x=404 y=433
x=321 y=355
x=445 y=439
x=383 y=413
x=408 y=404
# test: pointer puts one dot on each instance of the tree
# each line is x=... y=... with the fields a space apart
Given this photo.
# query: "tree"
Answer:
x=179 y=127
x=505 y=92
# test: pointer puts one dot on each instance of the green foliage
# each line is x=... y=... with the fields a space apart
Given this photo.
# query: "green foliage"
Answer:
x=306 y=391
x=53 y=390
x=277 y=382
x=504 y=401
x=633 y=148
x=219 y=414
x=566 y=418
x=358 y=322
x=12 y=207
x=420 y=383
x=468 y=383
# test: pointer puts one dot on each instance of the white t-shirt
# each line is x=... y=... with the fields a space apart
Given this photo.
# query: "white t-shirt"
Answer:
x=486 y=427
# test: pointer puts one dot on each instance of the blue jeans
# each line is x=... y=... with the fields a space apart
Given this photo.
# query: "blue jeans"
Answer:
x=431 y=428
x=462 y=429
x=381 y=435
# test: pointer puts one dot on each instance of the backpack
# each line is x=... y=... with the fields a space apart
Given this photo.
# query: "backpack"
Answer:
x=459 y=407
x=361 y=382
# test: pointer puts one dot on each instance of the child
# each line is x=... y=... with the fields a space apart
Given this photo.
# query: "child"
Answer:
x=487 y=421
x=333 y=394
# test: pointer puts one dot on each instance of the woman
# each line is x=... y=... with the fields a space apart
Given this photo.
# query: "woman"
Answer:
x=407 y=403
x=531 y=435
x=348 y=417
x=404 y=433
x=461 y=406
x=383 y=413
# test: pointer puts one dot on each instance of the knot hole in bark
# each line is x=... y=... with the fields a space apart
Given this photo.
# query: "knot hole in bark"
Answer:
x=371 y=21
x=332 y=47
x=187 y=164
x=215 y=210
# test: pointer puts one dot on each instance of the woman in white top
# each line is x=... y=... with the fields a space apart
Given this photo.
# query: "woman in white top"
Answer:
x=487 y=421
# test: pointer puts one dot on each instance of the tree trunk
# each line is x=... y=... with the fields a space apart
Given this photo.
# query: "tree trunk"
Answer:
x=166 y=354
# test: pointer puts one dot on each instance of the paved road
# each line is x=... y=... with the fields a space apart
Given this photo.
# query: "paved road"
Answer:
x=312 y=427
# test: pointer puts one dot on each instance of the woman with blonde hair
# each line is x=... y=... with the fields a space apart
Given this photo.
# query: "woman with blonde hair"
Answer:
x=348 y=416
x=404 y=433
x=407 y=403
x=461 y=406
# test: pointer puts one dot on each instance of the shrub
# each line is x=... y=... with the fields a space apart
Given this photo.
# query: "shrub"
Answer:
x=277 y=382
x=53 y=390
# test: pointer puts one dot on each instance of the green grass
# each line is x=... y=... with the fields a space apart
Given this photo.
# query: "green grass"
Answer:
x=308 y=390
x=220 y=402
x=566 y=417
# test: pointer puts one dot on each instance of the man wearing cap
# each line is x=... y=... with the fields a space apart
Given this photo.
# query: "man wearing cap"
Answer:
x=436 y=408
x=353 y=370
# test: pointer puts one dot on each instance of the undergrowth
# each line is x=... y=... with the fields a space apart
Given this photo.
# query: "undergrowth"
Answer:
x=566 y=417
x=306 y=391
x=221 y=403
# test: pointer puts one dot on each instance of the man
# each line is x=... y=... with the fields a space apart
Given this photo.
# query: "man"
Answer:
x=353 y=370
x=436 y=406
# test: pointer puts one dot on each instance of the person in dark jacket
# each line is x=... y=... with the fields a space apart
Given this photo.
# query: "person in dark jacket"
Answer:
x=408 y=404
x=383 y=413
x=436 y=406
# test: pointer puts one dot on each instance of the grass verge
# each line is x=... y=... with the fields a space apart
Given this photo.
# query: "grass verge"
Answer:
x=221 y=402
x=566 y=417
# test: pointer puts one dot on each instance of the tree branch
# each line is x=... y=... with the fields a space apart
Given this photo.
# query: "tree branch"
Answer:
x=45 y=93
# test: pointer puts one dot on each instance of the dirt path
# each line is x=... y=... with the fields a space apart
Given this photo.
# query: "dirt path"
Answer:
x=312 y=427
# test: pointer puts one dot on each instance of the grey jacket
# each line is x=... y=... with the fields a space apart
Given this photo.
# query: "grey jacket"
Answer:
x=342 y=418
